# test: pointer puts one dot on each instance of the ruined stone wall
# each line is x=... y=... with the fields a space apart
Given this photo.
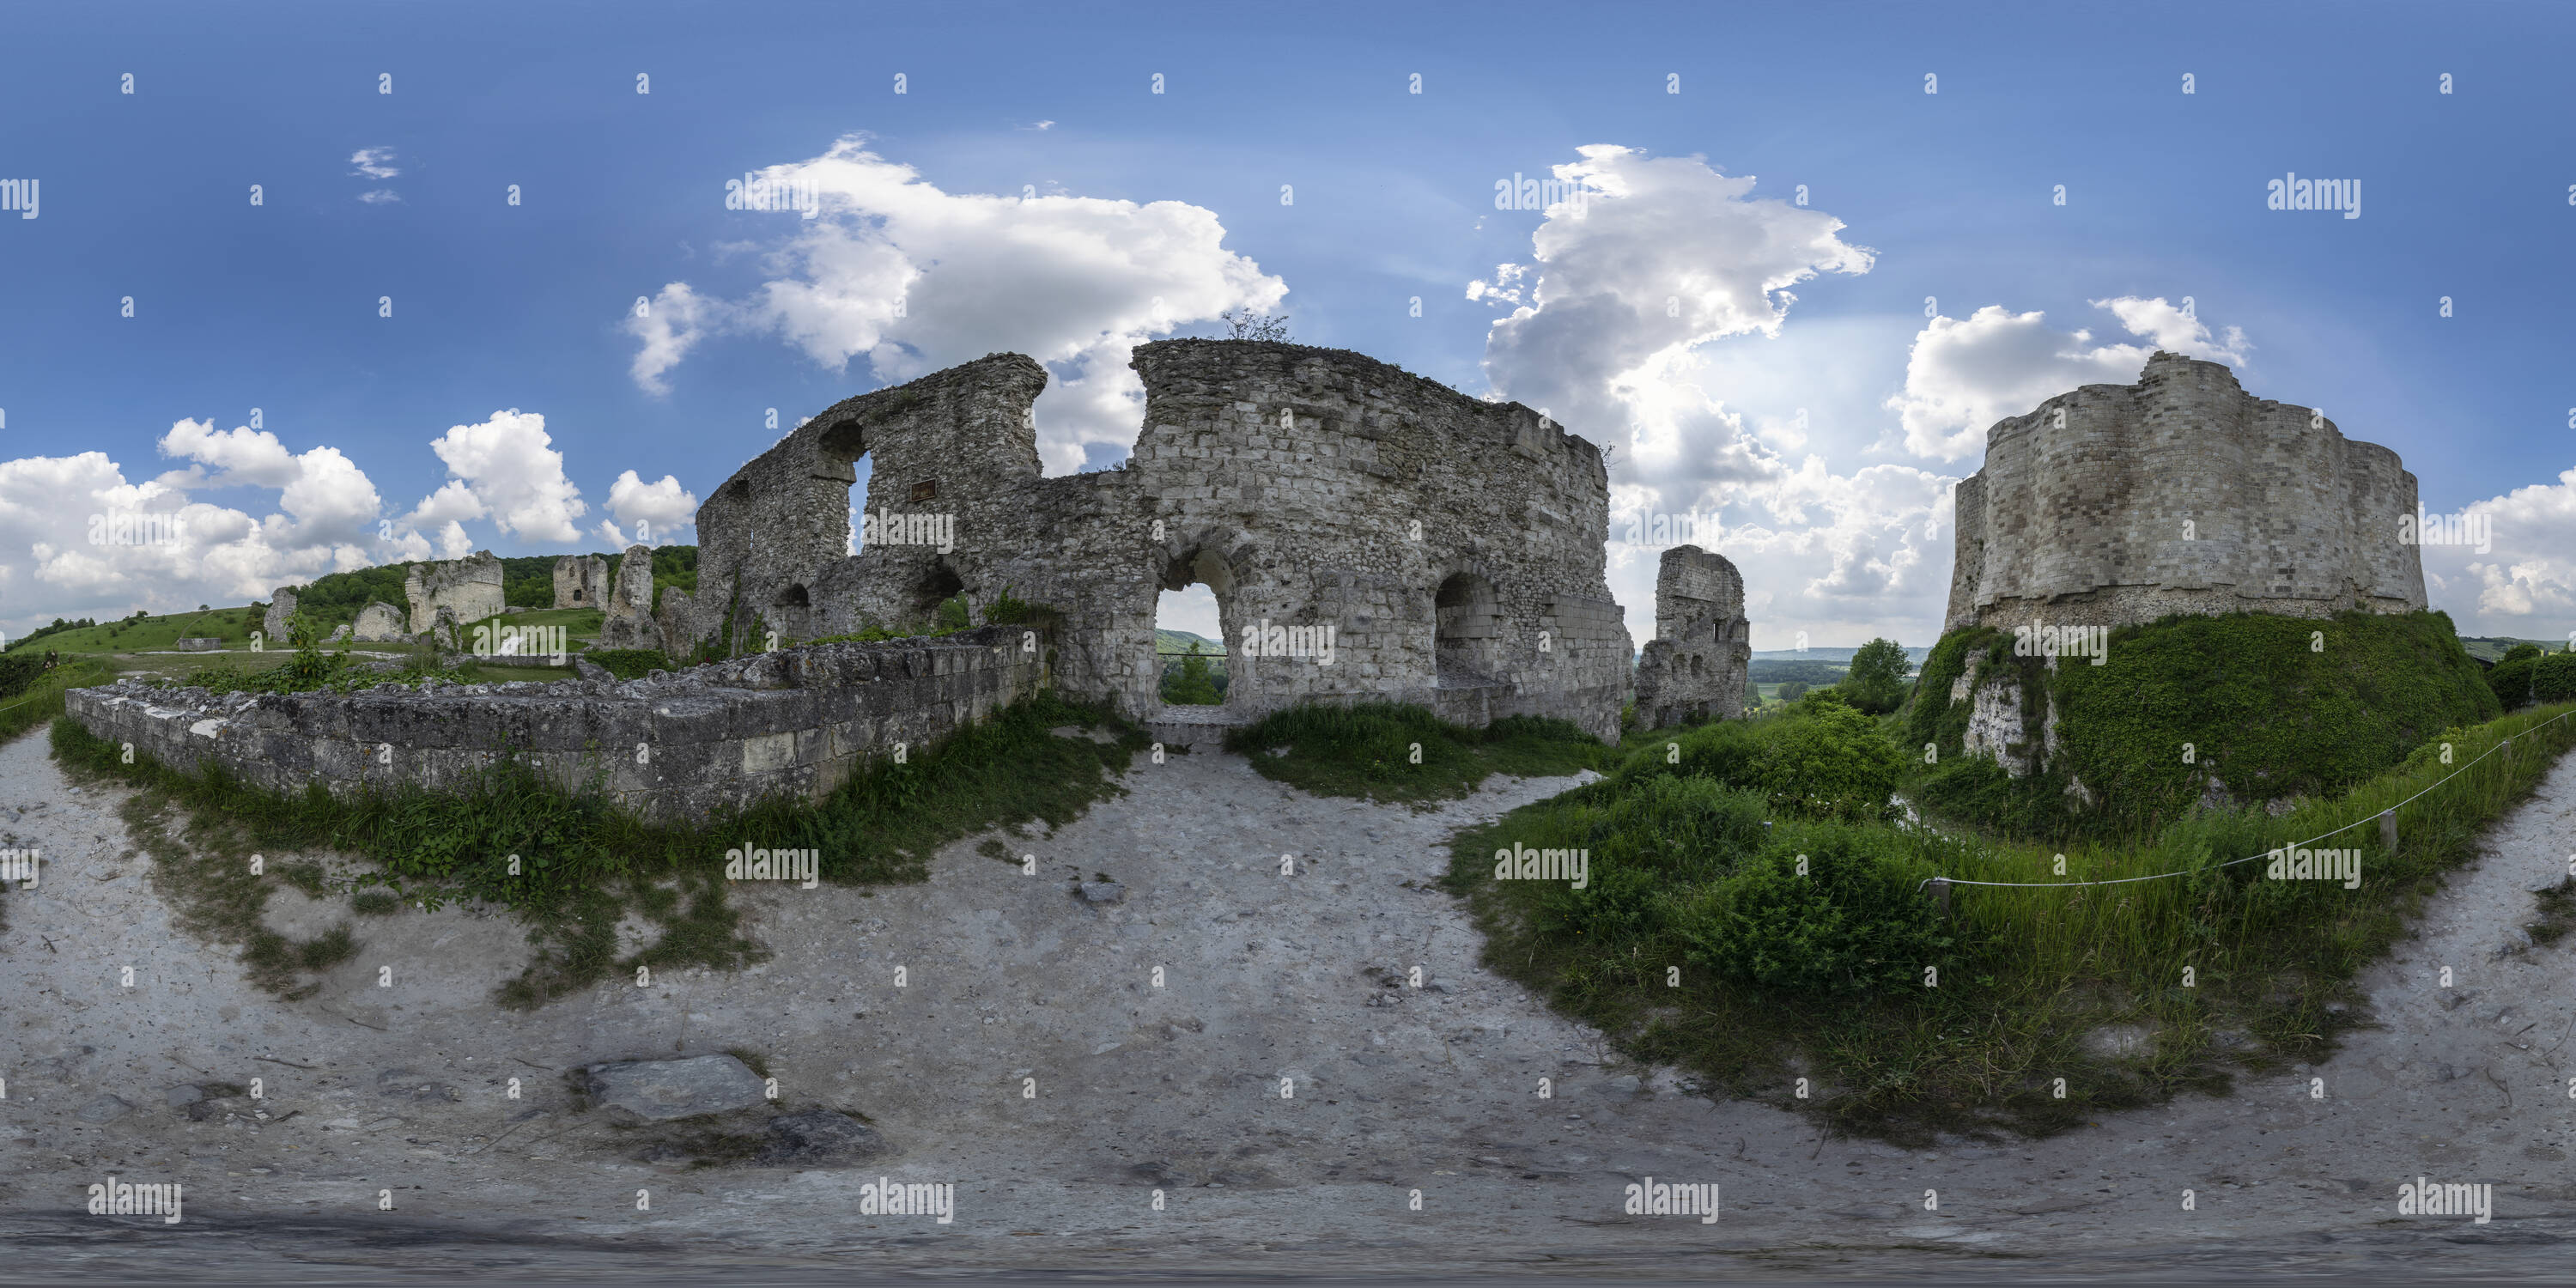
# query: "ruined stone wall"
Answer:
x=470 y=587
x=798 y=722
x=1452 y=546
x=1695 y=667
x=2182 y=493
x=380 y=623
x=629 y=620
x=280 y=615
x=580 y=581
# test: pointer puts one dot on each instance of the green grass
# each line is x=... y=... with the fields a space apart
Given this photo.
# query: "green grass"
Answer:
x=1386 y=751
x=231 y=625
x=1681 y=877
x=582 y=864
x=42 y=700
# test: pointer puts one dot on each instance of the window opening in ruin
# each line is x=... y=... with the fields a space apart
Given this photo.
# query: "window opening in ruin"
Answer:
x=938 y=584
x=1467 y=637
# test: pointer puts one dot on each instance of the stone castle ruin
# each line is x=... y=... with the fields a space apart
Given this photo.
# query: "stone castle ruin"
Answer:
x=2182 y=493
x=469 y=589
x=1695 y=667
x=1367 y=534
x=581 y=581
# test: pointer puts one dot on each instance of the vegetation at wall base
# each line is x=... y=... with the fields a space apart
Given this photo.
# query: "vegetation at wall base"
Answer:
x=1782 y=978
x=1368 y=750
x=2275 y=707
x=41 y=698
x=584 y=863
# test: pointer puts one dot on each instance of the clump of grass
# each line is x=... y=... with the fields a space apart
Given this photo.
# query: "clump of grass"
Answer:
x=1697 y=942
x=1387 y=751
x=375 y=903
x=41 y=700
x=215 y=895
x=2557 y=913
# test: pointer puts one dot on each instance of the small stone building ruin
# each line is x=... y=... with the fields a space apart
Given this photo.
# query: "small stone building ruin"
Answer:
x=1367 y=534
x=470 y=588
x=580 y=581
x=1695 y=667
x=380 y=623
x=280 y=615
x=2120 y=504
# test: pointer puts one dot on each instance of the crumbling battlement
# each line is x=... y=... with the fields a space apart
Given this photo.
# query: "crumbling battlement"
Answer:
x=2117 y=504
x=797 y=722
x=1447 y=549
x=1695 y=667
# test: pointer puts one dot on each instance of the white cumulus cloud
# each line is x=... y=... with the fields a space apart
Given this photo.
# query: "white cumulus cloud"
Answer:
x=2524 y=583
x=660 y=513
x=504 y=468
x=1966 y=374
x=912 y=279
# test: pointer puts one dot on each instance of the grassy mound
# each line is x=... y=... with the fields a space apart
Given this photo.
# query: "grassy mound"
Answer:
x=1730 y=921
x=1388 y=751
x=581 y=863
x=2273 y=707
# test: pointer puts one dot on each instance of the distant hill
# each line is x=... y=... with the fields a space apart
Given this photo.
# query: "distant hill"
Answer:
x=1180 y=641
x=2492 y=647
x=1839 y=656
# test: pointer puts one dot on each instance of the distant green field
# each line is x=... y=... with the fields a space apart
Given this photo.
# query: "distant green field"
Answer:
x=2492 y=648
x=232 y=625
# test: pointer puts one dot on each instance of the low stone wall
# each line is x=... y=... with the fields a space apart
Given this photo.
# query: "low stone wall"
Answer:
x=798 y=722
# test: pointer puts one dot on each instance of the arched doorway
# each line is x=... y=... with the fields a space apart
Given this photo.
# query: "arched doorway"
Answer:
x=1467 y=635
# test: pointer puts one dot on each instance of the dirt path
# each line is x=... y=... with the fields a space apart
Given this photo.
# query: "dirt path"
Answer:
x=1138 y=1088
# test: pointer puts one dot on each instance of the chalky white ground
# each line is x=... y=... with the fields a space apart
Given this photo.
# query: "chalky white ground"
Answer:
x=1177 y=1088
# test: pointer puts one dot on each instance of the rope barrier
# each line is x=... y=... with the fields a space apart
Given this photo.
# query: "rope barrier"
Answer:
x=2160 y=876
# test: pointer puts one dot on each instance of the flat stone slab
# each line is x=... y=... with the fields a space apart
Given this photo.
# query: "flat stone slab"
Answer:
x=666 y=1089
x=819 y=1138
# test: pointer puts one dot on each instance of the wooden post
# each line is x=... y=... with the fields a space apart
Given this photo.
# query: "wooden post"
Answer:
x=2388 y=830
x=1941 y=896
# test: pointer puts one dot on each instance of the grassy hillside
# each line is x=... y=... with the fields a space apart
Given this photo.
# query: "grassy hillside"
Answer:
x=2273 y=707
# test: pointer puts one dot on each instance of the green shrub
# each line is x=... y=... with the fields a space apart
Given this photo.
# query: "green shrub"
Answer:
x=18 y=671
x=2520 y=651
x=1391 y=751
x=2553 y=678
x=1820 y=759
x=1855 y=921
x=1192 y=685
x=2511 y=680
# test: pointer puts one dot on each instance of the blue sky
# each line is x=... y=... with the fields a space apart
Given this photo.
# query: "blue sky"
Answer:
x=516 y=322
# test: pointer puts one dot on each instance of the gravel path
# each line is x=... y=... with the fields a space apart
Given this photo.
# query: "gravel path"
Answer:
x=1138 y=1088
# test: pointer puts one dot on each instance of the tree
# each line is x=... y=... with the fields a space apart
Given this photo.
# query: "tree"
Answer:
x=1877 y=681
x=1193 y=687
x=1792 y=691
x=1247 y=325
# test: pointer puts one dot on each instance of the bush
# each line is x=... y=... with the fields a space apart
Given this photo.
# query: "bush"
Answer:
x=18 y=670
x=1854 y=922
x=2511 y=680
x=2553 y=678
x=1191 y=686
x=1820 y=759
